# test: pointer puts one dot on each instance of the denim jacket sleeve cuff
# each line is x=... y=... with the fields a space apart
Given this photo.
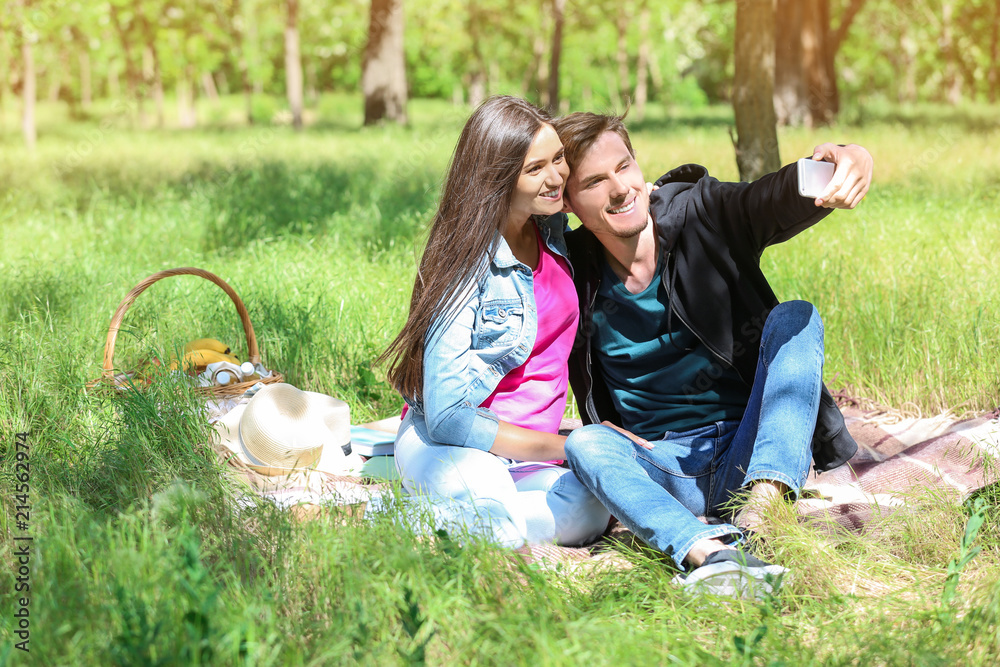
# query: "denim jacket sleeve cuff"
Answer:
x=465 y=426
x=483 y=433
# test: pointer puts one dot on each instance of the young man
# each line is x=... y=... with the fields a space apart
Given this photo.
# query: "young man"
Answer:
x=705 y=384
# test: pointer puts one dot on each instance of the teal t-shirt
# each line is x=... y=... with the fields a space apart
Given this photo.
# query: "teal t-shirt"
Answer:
x=661 y=378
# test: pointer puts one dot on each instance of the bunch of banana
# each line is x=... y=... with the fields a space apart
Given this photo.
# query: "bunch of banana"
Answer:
x=207 y=344
x=202 y=352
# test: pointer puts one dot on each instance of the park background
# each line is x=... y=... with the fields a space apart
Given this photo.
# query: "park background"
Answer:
x=297 y=150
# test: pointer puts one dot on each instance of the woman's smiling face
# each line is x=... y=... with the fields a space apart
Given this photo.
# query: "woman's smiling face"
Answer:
x=539 y=189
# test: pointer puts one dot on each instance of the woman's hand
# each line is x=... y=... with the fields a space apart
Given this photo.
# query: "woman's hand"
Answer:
x=524 y=444
x=642 y=442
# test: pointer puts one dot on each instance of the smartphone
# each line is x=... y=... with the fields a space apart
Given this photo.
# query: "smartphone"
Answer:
x=814 y=177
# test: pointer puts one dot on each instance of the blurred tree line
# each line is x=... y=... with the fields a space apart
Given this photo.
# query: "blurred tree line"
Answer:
x=559 y=53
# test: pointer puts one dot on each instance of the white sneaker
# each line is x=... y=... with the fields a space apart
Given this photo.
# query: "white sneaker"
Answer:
x=734 y=573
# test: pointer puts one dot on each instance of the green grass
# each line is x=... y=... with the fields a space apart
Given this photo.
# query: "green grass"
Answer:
x=141 y=555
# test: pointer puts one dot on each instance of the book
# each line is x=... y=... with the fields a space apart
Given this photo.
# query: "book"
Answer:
x=369 y=442
x=380 y=467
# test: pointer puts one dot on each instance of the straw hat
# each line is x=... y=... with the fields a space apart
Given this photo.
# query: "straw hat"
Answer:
x=283 y=430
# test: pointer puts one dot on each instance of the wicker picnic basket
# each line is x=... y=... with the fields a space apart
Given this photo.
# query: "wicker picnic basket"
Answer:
x=230 y=391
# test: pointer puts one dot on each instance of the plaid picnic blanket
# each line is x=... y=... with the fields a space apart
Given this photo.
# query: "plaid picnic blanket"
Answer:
x=898 y=454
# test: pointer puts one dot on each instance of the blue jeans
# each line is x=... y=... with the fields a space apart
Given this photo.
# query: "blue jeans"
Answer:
x=464 y=489
x=658 y=494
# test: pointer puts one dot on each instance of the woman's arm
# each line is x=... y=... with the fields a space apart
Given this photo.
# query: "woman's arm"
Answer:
x=524 y=444
x=450 y=415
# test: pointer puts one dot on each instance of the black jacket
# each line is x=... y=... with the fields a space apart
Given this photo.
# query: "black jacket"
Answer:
x=713 y=235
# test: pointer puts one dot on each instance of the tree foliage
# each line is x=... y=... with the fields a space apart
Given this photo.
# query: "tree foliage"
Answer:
x=680 y=50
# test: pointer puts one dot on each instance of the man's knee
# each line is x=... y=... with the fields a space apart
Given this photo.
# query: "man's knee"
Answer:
x=590 y=442
x=793 y=319
x=799 y=314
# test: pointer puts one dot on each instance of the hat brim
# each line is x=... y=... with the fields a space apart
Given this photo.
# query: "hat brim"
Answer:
x=331 y=461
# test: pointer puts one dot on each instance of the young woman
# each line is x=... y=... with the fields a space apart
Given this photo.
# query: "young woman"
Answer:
x=482 y=358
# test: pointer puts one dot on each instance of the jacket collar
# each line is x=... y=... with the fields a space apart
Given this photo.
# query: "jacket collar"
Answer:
x=670 y=219
x=503 y=257
x=547 y=226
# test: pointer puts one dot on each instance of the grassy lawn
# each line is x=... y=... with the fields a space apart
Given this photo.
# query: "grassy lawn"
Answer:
x=141 y=555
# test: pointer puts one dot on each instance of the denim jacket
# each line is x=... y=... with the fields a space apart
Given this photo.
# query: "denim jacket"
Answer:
x=490 y=333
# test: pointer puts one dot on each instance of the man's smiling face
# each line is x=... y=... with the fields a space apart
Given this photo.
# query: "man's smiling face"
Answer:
x=607 y=190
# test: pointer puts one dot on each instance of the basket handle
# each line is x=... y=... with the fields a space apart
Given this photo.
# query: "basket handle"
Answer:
x=116 y=319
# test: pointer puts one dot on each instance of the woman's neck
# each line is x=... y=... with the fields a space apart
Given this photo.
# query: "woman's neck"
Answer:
x=523 y=242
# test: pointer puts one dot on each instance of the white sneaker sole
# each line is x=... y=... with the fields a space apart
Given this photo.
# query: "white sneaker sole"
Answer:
x=734 y=580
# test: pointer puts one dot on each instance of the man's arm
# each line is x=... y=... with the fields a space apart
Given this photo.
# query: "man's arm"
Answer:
x=771 y=210
x=766 y=212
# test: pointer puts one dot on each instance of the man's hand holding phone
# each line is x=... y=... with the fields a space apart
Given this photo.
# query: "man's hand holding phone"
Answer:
x=851 y=178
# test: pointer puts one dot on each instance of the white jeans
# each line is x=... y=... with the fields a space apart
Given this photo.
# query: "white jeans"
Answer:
x=469 y=490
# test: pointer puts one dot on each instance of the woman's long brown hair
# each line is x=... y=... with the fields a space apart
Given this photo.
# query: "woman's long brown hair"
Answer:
x=472 y=214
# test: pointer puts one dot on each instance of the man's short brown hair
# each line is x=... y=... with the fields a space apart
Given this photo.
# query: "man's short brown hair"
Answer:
x=579 y=131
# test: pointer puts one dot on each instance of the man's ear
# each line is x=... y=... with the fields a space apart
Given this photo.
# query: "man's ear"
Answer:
x=567 y=206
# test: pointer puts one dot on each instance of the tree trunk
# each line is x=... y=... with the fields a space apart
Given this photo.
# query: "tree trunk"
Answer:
x=908 y=50
x=993 y=79
x=477 y=75
x=791 y=104
x=152 y=78
x=833 y=40
x=655 y=74
x=147 y=65
x=114 y=83
x=492 y=76
x=242 y=63
x=157 y=87
x=28 y=93
x=186 y=111
x=806 y=45
x=247 y=89
x=614 y=95
x=247 y=98
x=86 y=88
x=293 y=63
x=753 y=90
x=312 y=96
x=621 y=55
x=131 y=71
x=383 y=75
x=208 y=86
x=952 y=82
x=5 y=66
x=642 y=64
x=817 y=63
x=55 y=84
x=540 y=70
x=558 y=10
x=477 y=88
